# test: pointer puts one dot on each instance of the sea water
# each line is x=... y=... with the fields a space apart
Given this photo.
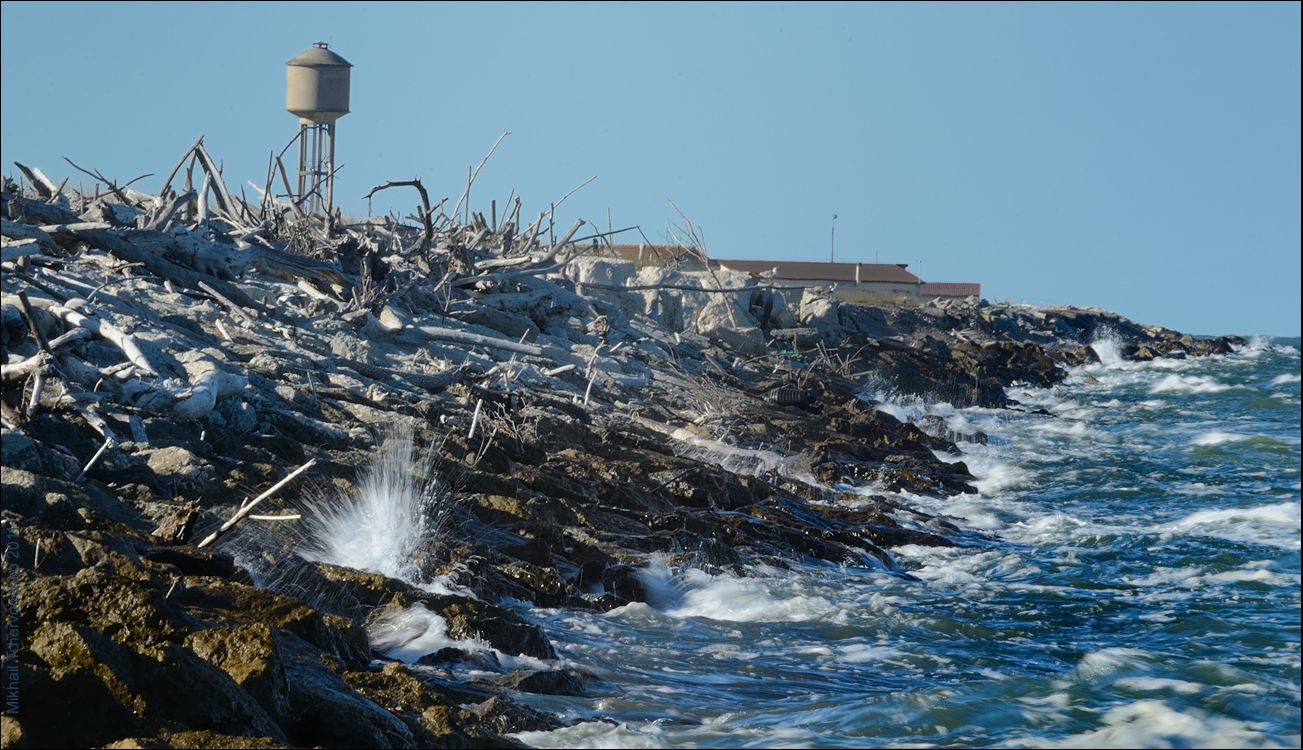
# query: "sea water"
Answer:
x=1128 y=576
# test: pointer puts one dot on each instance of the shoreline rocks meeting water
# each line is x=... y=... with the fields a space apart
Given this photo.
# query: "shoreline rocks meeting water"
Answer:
x=491 y=415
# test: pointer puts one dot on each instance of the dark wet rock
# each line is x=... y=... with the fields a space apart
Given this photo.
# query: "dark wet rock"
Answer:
x=251 y=656
x=58 y=503
x=337 y=637
x=543 y=582
x=533 y=551
x=500 y=627
x=432 y=717
x=548 y=682
x=121 y=608
x=194 y=562
x=328 y=711
x=66 y=553
x=486 y=660
x=624 y=583
x=160 y=682
x=506 y=716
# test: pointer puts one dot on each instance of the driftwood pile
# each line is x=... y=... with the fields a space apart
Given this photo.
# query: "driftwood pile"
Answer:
x=199 y=305
x=171 y=303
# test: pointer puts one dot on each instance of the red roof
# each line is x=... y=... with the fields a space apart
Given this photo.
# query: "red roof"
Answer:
x=951 y=289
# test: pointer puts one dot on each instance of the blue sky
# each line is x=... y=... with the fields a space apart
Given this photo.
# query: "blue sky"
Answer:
x=1141 y=158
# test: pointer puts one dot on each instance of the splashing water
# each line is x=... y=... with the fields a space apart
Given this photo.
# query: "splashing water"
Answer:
x=392 y=524
x=1106 y=348
x=1128 y=576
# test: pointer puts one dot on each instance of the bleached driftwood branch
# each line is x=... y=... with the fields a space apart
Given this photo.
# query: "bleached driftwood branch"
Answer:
x=248 y=507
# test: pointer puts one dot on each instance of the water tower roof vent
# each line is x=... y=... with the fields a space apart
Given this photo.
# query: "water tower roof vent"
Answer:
x=318 y=54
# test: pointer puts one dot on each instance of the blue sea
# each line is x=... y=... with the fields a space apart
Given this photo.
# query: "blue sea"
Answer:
x=1128 y=576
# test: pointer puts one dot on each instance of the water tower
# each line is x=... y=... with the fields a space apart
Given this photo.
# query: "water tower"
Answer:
x=316 y=89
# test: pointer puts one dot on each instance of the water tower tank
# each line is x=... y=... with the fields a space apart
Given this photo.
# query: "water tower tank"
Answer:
x=316 y=85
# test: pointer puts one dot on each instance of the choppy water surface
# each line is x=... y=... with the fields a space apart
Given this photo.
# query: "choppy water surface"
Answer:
x=1131 y=579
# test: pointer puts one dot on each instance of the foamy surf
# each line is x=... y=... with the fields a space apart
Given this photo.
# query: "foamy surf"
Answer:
x=410 y=633
x=1158 y=506
x=1275 y=525
x=1215 y=437
x=1155 y=723
x=597 y=734
x=1188 y=384
x=727 y=597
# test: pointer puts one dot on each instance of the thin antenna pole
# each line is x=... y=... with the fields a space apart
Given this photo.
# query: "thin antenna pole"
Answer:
x=832 y=241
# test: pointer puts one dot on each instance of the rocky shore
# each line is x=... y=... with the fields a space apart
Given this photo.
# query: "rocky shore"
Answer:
x=169 y=356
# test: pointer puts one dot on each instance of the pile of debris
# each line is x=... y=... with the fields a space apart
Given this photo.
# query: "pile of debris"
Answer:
x=167 y=356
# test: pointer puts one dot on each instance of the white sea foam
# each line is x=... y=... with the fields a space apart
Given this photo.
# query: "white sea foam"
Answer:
x=1215 y=437
x=857 y=653
x=1283 y=379
x=596 y=734
x=410 y=633
x=1275 y=525
x=975 y=513
x=1156 y=684
x=1258 y=343
x=1241 y=576
x=1198 y=489
x=696 y=593
x=994 y=475
x=1066 y=427
x=1188 y=384
x=1165 y=580
x=1109 y=661
x=1154 y=723
x=976 y=574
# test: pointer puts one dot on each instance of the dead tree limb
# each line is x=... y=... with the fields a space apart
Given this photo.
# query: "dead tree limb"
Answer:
x=165 y=215
x=465 y=196
x=427 y=235
x=112 y=186
x=19 y=248
x=15 y=231
x=45 y=187
x=226 y=205
x=167 y=184
x=248 y=507
x=107 y=331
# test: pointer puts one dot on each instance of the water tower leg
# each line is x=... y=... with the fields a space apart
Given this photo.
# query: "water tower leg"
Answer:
x=330 y=170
